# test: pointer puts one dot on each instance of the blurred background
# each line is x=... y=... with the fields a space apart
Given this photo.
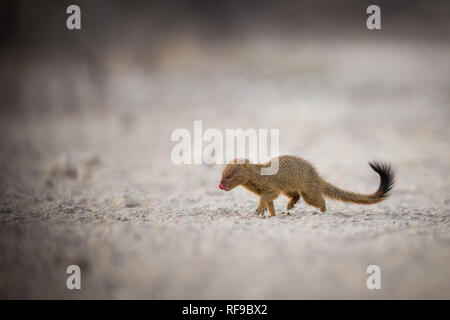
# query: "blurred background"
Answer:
x=85 y=124
x=46 y=66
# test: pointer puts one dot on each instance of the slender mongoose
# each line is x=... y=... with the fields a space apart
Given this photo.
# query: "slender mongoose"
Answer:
x=297 y=178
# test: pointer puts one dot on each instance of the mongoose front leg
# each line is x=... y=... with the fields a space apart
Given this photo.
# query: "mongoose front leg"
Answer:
x=268 y=198
x=261 y=206
x=271 y=209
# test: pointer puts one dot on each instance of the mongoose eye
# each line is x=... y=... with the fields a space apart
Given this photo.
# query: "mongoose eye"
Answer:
x=229 y=176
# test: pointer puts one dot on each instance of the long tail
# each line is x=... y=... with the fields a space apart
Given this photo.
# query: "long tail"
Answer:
x=386 y=184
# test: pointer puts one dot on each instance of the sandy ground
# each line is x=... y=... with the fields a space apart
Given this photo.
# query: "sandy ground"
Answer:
x=94 y=185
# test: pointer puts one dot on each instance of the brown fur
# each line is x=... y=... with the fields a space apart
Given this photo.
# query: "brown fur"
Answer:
x=298 y=178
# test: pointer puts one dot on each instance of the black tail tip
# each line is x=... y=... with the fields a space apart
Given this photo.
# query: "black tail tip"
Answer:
x=386 y=173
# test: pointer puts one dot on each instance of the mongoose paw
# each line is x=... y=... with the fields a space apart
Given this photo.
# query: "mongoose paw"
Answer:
x=261 y=209
x=291 y=203
x=258 y=214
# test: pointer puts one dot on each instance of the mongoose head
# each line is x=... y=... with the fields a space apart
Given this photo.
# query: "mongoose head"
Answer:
x=234 y=175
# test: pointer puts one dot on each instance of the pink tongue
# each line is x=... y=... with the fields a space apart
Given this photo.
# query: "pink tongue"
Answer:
x=221 y=187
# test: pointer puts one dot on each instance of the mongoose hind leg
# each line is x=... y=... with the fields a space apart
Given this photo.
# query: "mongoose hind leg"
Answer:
x=294 y=197
x=315 y=200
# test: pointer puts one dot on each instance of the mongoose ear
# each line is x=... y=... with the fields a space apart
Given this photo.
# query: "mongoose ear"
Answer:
x=244 y=163
x=241 y=162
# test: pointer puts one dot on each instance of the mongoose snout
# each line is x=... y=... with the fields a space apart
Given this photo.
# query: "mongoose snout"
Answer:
x=233 y=177
x=298 y=178
x=221 y=187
